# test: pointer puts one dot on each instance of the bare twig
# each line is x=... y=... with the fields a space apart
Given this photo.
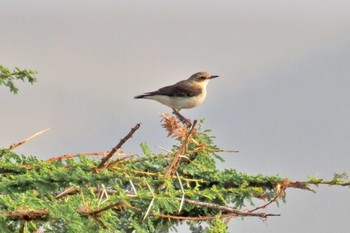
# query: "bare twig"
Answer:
x=281 y=187
x=229 y=151
x=279 y=194
x=121 y=142
x=68 y=156
x=204 y=218
x=101 y=153
x=13 y=146
x=67 y=191
x=227 y=209
x=96 y=212
x=111 y=164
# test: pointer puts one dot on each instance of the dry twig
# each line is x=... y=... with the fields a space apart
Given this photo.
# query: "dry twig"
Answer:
x=204 y=218
x=68 y=156
x=13 y=146
x=177 y=158
x=27 y=215
x=117 y=147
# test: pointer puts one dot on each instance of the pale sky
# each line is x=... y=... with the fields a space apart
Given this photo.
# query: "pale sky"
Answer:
x=282 y=98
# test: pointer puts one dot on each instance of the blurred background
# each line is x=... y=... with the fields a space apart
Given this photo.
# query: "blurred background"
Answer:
x=282 y=98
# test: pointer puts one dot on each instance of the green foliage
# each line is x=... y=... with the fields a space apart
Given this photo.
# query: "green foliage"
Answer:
x=217 y=226
x=7 y=77
x=146 y=193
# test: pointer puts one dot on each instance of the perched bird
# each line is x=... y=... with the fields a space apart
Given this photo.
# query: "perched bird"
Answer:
x=184 y=94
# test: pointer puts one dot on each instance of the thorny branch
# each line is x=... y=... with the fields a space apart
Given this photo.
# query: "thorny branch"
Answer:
x=68 y=156
x=226 y=209
x=228 y=212
x=27 y=214
x=119 y=204
x=118 y=146
x=15 y=145
x=103 y=163
x=173 y=167
x=123 y=204
x=204 y=218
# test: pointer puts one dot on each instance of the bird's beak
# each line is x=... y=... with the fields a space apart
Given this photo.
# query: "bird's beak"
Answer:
x=213 y=76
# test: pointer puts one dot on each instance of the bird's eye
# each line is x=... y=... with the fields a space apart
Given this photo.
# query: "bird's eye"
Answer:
x=203 y=78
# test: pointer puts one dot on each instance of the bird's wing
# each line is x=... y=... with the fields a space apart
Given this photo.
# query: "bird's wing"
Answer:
x=178 y=90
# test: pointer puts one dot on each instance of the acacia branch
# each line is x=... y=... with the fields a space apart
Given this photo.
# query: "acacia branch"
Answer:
x=226 y=209
x=205 y=218
x=118 y=146
x=15 y=145
x=27 y=215
x=326 y=182
x=279 y=194
x=99 y=211
x=68 y=156
x=229 y=212
x=175 y=163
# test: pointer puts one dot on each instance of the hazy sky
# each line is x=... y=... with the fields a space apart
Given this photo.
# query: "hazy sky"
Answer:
x=282 y=98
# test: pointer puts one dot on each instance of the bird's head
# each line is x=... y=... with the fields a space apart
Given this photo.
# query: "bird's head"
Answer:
x=202 y=77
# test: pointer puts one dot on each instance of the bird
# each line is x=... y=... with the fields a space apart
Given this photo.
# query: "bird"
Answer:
x=182 y=95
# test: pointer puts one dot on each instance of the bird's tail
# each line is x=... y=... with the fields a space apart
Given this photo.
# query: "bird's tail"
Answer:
x=141 y=96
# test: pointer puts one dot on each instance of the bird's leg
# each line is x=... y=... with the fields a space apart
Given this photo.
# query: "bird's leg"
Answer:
x=182 y=118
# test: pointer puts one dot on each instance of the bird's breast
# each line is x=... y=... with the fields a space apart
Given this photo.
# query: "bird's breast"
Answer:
x=188 y=102
x=179 y=102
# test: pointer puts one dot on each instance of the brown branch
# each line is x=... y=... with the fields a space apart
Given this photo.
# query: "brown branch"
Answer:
x=204 y=218
x=68 y=156
x=95 y=214
x=226 y=209
x=281 y=187
x=15 y=145
x=121 y=142
x=27 y=215
x=173 y=167
x=88 y=212
x=279 y=194
x=120 y=160
x=98 y=220
x=326 y=182
x=298 y=185
x=229 y=151
x=67 y=191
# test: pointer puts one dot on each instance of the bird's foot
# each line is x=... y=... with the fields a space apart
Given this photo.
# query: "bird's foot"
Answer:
x=183 y=119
